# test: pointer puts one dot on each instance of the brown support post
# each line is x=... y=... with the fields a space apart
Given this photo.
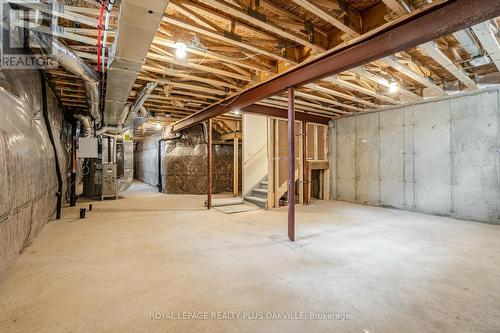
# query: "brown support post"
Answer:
x=291 y=164
x=72 y=200
x=305 y=170
x=209 y=163
x=235 y=167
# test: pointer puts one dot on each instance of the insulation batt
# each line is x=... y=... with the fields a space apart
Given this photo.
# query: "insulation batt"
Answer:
x=184 y=163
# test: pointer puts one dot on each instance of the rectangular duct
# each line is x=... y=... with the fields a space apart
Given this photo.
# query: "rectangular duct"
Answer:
x=138 y=23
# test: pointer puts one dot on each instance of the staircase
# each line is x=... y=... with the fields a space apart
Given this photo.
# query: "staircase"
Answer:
x=258 y=195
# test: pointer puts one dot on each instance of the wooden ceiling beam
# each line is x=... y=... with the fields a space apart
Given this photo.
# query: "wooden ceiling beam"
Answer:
x=431 y=49
x=204 y=31
x=323 y=14
x=328 y=101
x=207 y=69
x=213 y=55
x=357 y=88
x=179 y=7
x=183 y=85
x=277 y=112
x=264 y=24
x=489 y=41
x=339 y=94
x=395 y=6
x=383 y=82
x=179 y=74
x=310 y=106
x=406 y=70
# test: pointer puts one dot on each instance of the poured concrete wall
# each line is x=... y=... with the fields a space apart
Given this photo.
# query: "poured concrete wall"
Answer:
x=439 y=157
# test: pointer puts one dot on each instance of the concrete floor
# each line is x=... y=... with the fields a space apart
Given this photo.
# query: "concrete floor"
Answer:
x=388 y=270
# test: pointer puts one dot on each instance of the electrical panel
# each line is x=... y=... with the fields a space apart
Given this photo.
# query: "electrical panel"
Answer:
x=87 y=148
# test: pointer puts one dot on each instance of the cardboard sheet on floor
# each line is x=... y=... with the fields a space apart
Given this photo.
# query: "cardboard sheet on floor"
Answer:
x=232 y=209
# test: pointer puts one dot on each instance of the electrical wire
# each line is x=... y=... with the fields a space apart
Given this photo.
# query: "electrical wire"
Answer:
x=85 y=167
x=196 y=43
x=99 y=31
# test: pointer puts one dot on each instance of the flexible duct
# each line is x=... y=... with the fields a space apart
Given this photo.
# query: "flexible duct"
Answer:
x=85 y=125
x=142 y=96
x=134 y=109
x=109 y=130
x=143 y=112
x=74 y=64
x=124 y=115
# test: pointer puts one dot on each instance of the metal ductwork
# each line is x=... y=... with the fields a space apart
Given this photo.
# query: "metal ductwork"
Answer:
x=142 y=96
x=137 y=26
x=85 y=125
x=133 y=109
x=143 y=112
x=75 y=65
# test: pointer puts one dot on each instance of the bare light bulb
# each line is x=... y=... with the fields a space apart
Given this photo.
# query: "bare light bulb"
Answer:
x=393 y=87
x=180 y=49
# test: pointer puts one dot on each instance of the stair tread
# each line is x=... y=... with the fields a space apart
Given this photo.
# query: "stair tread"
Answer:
x=253 y=198
x=264 y=182
x=260 y=190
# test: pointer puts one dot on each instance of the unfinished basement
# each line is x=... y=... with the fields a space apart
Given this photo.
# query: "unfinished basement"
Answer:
x=250 y=166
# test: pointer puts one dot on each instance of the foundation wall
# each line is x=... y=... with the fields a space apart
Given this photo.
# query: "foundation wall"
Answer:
x=28 y=180
x=439 y=157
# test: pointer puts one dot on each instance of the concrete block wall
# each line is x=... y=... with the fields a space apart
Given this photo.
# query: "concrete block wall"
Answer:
x=439 y=157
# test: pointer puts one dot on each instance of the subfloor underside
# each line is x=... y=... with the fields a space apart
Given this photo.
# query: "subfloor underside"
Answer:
x=165 y=256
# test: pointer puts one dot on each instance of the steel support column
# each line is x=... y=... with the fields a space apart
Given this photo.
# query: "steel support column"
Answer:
x=209 y=163
x=291 y=164
x=235 y=167
x=305 y=170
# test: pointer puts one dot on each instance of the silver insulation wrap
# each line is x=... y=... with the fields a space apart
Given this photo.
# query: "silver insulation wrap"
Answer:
x=85 y=125
x=28 y=182
x=74 y=64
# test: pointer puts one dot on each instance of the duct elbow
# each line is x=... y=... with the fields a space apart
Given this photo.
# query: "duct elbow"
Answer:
x=75 y=65
x=85 y=125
